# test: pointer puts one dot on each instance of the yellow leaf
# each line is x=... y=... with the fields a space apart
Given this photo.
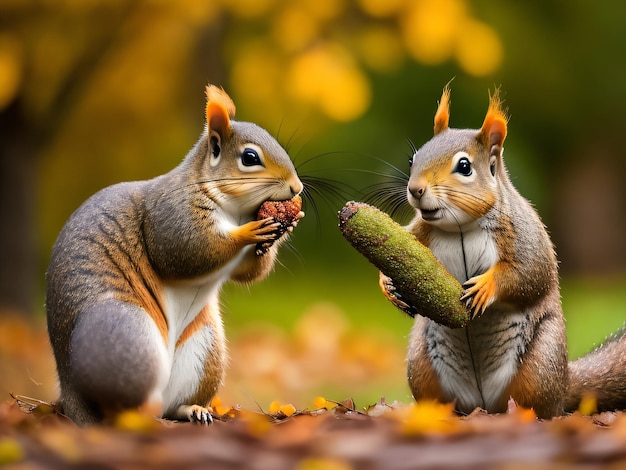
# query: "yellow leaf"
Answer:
x=320 y=402
x=312 y=463
x=426 y=417
x=588 y=404
x=219 y=408
x=10 y=451
x=287 y=409
x=133 y=420
x=274 y=407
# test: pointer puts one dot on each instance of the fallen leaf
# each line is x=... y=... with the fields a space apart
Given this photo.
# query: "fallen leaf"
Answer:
x=523 y=415
x=427 y=417
x=274 y=407
x=10 y=451
x=287 y=409
x=588 y=404
x=321 y=403
x=133 y=420
x=323 y=464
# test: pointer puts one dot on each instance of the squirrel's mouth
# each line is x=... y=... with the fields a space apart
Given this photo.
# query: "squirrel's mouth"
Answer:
x=430 y=215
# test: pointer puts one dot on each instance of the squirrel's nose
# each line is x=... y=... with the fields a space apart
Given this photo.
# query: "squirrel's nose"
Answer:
x=296 y=187
x=417 y=188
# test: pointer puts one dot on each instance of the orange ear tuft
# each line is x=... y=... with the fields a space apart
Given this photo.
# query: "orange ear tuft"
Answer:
x=493 y=131
x=442 y=116
x=220 y=109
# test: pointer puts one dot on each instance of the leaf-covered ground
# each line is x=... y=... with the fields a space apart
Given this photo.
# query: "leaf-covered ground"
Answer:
x=326 y=435
x=297 y=430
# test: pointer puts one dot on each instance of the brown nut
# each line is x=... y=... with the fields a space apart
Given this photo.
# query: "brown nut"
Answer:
x=283 y=212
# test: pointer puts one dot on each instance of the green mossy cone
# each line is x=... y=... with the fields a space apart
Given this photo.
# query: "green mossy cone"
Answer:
x=420 y=279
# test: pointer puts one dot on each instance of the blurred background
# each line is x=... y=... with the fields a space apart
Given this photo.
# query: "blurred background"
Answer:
x=95 y=92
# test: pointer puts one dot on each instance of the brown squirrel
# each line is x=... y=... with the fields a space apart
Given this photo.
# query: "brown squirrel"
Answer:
x=135 y=274
x=492 y=241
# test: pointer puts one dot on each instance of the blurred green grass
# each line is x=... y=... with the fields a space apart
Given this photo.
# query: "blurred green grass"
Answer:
x=594 y=309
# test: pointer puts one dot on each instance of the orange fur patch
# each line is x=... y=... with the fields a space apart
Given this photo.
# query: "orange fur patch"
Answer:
x=219 y=110
x=146 y=288
x=495 y=112
x=442 y=116
x=217 y=95
x=203 y=319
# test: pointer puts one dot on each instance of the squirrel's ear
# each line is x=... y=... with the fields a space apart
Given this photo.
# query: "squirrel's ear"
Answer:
x=493 y=131
x=442 y=116
x=220 y=109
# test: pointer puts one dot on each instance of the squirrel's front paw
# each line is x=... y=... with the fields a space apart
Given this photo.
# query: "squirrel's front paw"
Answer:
x=256 y=231
x=263 y=247
x=286 y=213
x=480 y=293
x=386 y=285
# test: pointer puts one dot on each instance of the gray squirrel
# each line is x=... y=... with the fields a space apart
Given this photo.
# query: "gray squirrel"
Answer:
x=135 y=275
x=492 y=240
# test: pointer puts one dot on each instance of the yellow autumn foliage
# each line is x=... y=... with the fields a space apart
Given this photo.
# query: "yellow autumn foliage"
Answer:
x=11 y=65
x=380 y=49
x=135 y=421
x=588 y=404
x=328 y=77
x=430 y=29
x=427 y=417
x=286 y=409
x=382 y=8
x=478 y=48
x=10 y=451
x=218 y=407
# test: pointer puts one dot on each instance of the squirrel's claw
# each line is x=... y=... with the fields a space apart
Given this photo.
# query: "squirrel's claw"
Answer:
x=480 y=293
x=200 y=415
x=195 y=414
x=389 y=290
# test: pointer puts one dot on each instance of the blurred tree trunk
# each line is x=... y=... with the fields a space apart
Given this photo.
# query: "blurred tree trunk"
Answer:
x=590 y=205
x=23 y=138
x=18 y=257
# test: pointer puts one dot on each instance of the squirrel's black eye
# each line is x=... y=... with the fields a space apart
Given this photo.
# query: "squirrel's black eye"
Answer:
x=464 y=167
x=250 y=157
x=215 y=147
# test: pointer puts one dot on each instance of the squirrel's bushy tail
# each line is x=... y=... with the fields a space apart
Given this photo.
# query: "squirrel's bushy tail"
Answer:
x=602 y=373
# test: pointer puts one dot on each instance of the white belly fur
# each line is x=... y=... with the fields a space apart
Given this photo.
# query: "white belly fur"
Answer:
x=475 y=364
x=183 y=302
